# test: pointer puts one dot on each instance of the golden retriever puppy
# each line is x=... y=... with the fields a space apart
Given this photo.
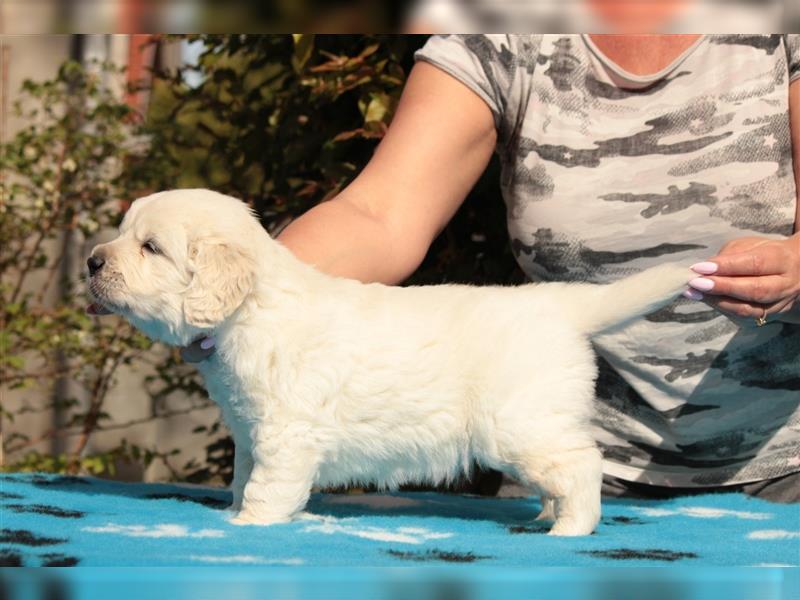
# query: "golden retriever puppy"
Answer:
x=327 y=381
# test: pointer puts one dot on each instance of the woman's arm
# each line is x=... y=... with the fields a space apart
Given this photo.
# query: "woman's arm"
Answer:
x=794 y=124
x=752 y=274
x=380 y=227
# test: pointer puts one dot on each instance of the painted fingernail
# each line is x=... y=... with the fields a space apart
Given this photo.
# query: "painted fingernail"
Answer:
x=693 y=294
x=702 y=284
x=705 y=268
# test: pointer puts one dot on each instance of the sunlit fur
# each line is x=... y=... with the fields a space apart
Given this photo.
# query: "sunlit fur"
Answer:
x=327 y=381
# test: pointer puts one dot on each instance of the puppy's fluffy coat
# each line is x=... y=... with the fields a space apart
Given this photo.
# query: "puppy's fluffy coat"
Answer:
x=327 y=381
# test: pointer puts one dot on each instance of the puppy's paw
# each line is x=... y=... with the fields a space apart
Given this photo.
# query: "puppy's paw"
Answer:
x=566 y=528
x=251 y=518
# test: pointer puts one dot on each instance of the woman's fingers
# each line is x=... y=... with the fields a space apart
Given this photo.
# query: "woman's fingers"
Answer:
x=748 y=310
x=763 y=259
x=748 y=276
x=761 y=290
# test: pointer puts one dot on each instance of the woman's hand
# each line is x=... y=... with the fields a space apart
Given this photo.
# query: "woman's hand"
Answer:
x=751 y=277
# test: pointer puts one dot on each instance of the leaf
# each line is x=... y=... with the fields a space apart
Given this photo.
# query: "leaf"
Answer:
x=378 y=108
x=303 y=47
x=15 y=362
x=346 y=135
x=369 y=50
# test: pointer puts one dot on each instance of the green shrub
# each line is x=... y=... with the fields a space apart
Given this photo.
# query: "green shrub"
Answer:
x=61 y=174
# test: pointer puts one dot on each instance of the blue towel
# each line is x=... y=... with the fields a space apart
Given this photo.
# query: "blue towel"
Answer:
x=66 y=521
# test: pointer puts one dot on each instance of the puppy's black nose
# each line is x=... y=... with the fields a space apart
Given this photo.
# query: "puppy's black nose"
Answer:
x=94 y=263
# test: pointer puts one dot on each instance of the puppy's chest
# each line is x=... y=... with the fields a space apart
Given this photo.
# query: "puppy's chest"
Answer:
x=228 y=390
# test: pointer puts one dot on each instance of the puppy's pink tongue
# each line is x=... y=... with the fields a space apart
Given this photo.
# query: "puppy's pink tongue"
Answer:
x=97 y=309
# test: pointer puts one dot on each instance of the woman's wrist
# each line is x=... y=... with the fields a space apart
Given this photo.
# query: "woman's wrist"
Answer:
x=793 y=314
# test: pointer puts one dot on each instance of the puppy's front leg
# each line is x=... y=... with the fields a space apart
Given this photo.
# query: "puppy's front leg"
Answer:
x=243 y=453
x=280 y=482
x=242 y=467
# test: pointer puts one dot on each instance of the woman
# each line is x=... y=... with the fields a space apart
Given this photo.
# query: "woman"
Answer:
x=618 y=153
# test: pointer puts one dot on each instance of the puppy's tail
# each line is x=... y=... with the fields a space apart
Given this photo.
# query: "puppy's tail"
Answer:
x=597 y=308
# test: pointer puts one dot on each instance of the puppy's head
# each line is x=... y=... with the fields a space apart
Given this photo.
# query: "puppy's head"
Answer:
x=184 y=261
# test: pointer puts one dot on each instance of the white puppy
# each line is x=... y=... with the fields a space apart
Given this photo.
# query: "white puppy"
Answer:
x=326 y=381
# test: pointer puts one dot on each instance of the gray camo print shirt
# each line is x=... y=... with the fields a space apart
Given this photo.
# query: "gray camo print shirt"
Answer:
x=605 y=174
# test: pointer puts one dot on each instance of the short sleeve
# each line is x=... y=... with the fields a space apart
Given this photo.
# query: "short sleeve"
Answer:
x=484 y=63
x=792 y=41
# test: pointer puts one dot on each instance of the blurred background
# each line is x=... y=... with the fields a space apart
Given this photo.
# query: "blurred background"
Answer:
x=429 y=16
x=91 y=122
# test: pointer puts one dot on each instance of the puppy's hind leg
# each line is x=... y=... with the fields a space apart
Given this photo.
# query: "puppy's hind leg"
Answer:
x=548 y=512
x=572 y=485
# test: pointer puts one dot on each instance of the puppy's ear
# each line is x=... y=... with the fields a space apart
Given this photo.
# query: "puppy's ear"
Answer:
x=223 y=276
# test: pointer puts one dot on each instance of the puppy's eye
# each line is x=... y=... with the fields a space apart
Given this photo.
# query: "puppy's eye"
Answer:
x=150 y=246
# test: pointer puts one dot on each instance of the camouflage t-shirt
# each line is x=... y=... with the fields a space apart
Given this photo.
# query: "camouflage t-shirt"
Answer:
x=605 y=174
